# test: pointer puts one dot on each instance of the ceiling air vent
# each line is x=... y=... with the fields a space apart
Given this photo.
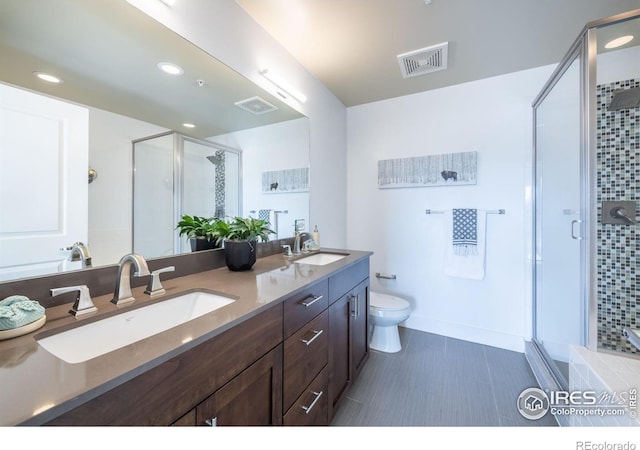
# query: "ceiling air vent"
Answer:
x=425 y=60
x=256 y=105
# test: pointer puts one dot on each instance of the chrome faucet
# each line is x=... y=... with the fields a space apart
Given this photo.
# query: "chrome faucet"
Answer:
x=83 y=304
x=154 y=286
x=80 y=252
x=122 y=293
x=297 y=240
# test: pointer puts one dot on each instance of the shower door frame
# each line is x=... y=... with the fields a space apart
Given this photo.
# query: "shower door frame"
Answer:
x=580 y=49
x=584 y=47
x=179 y=245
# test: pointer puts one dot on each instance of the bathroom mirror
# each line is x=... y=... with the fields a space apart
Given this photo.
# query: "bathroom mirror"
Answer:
x=107 y=54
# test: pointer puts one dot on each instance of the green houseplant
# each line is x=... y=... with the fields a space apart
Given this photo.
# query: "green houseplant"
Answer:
x=240 y=236
x=203 y=232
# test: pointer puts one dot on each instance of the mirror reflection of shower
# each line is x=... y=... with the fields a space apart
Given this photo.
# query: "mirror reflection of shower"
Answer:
x=175 y=175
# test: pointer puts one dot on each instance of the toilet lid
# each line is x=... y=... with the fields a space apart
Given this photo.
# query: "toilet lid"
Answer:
x=383 y=301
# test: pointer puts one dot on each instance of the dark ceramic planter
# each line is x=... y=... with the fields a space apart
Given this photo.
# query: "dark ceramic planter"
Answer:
x=201 y=243
x=240 y=255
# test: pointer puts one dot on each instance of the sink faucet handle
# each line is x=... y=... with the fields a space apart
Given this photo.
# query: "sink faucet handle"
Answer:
x=83 y=304
x=154 y=287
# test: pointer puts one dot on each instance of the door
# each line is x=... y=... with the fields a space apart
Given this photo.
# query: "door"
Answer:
x=45 y=141
x=560 y=238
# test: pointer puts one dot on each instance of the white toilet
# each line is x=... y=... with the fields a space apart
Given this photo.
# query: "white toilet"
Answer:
x=386 y=312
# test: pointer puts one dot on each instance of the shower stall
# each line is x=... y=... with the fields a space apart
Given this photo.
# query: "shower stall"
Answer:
x=585 y=191
x=175 y=175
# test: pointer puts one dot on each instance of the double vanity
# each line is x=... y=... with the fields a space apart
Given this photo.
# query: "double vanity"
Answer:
x=276 y=345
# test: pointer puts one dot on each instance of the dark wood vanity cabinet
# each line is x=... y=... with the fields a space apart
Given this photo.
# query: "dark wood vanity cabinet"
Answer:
x=306 y=349
x=349 y=330
x=252 y=398
x=288 y=365
x=171 y=392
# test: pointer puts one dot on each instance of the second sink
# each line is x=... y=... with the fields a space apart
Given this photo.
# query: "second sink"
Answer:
x=103 y=336
x=320 y=259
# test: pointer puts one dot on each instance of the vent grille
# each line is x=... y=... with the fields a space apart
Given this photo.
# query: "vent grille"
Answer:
x=424 y=60
x=256 y=105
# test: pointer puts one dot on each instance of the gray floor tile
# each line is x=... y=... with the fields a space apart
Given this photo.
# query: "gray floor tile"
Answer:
x=439 y=381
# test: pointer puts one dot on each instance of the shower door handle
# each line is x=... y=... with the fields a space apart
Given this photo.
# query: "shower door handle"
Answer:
x=573 y=235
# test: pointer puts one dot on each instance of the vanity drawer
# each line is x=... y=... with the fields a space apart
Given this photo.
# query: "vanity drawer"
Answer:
x=312 y=407
x=304 y=306
x=305 y=354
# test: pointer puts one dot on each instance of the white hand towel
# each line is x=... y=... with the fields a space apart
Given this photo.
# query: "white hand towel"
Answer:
x=472 y=264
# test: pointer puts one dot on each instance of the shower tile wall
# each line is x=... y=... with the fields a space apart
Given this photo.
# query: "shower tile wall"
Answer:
x=618 y=172
x=220 y=183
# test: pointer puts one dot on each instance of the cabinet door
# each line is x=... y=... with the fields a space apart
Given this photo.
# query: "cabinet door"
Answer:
x=339 y=350
x=349 y=343
x=253 y=398
x=359 y=328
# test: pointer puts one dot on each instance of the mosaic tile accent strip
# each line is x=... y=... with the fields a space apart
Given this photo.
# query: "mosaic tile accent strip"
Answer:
x=618 y=247
x=220 y=184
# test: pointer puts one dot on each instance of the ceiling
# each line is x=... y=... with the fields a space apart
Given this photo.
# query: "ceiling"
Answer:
x=351 y=45
x=107 y=52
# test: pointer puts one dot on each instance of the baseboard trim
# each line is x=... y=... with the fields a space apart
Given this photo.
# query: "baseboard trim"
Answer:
x=466 y=333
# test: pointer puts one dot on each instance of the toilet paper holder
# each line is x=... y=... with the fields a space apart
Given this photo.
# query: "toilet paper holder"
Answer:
x=385 y=277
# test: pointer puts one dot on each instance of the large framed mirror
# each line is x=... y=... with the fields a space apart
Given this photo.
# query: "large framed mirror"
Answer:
x=66 y=149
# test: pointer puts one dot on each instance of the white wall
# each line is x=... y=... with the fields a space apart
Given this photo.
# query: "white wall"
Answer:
x=223 y=29
x=492 y=117
x=280 y=146
x=110 y=195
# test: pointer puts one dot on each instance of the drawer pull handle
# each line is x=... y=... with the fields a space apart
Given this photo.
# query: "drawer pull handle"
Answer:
x=316 y=333
x=354 y=301
x=307 y=409
x=314 y=298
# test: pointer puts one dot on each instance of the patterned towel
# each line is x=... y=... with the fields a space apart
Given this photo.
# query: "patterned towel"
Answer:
x=265 y=214
x=465 y=231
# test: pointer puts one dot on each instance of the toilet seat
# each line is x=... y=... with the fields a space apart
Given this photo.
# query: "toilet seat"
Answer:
x=387 y=302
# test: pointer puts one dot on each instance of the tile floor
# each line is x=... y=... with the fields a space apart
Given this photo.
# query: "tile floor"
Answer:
x=439 y=381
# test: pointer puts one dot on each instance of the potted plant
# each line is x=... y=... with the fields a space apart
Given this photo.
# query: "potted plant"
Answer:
x=203 y=232
x=240 y=237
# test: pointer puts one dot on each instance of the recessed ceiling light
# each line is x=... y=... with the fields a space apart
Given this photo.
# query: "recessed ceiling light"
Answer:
x=170 y=68
x=47 y=77
x=618 y=42
x=188 y=125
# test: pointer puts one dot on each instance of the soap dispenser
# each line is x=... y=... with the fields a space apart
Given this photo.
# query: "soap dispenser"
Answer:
x=316 y=235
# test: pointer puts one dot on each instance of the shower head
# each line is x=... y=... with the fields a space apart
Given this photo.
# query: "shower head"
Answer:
x=625 y=99
x=214 y=159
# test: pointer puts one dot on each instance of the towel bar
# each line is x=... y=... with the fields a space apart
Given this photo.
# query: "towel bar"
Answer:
x=491 y=211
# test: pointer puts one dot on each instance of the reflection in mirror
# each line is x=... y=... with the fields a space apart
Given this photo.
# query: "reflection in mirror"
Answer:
x=176 y=175
x=107 y=53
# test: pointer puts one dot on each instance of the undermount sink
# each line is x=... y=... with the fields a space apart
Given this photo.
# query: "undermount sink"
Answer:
x=320 y=259
x=103 y=336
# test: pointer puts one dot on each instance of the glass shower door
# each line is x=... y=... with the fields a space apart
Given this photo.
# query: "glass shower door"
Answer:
x=559 y=314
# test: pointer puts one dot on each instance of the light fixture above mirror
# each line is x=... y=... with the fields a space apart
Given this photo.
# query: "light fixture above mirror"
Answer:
x=285 y=89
